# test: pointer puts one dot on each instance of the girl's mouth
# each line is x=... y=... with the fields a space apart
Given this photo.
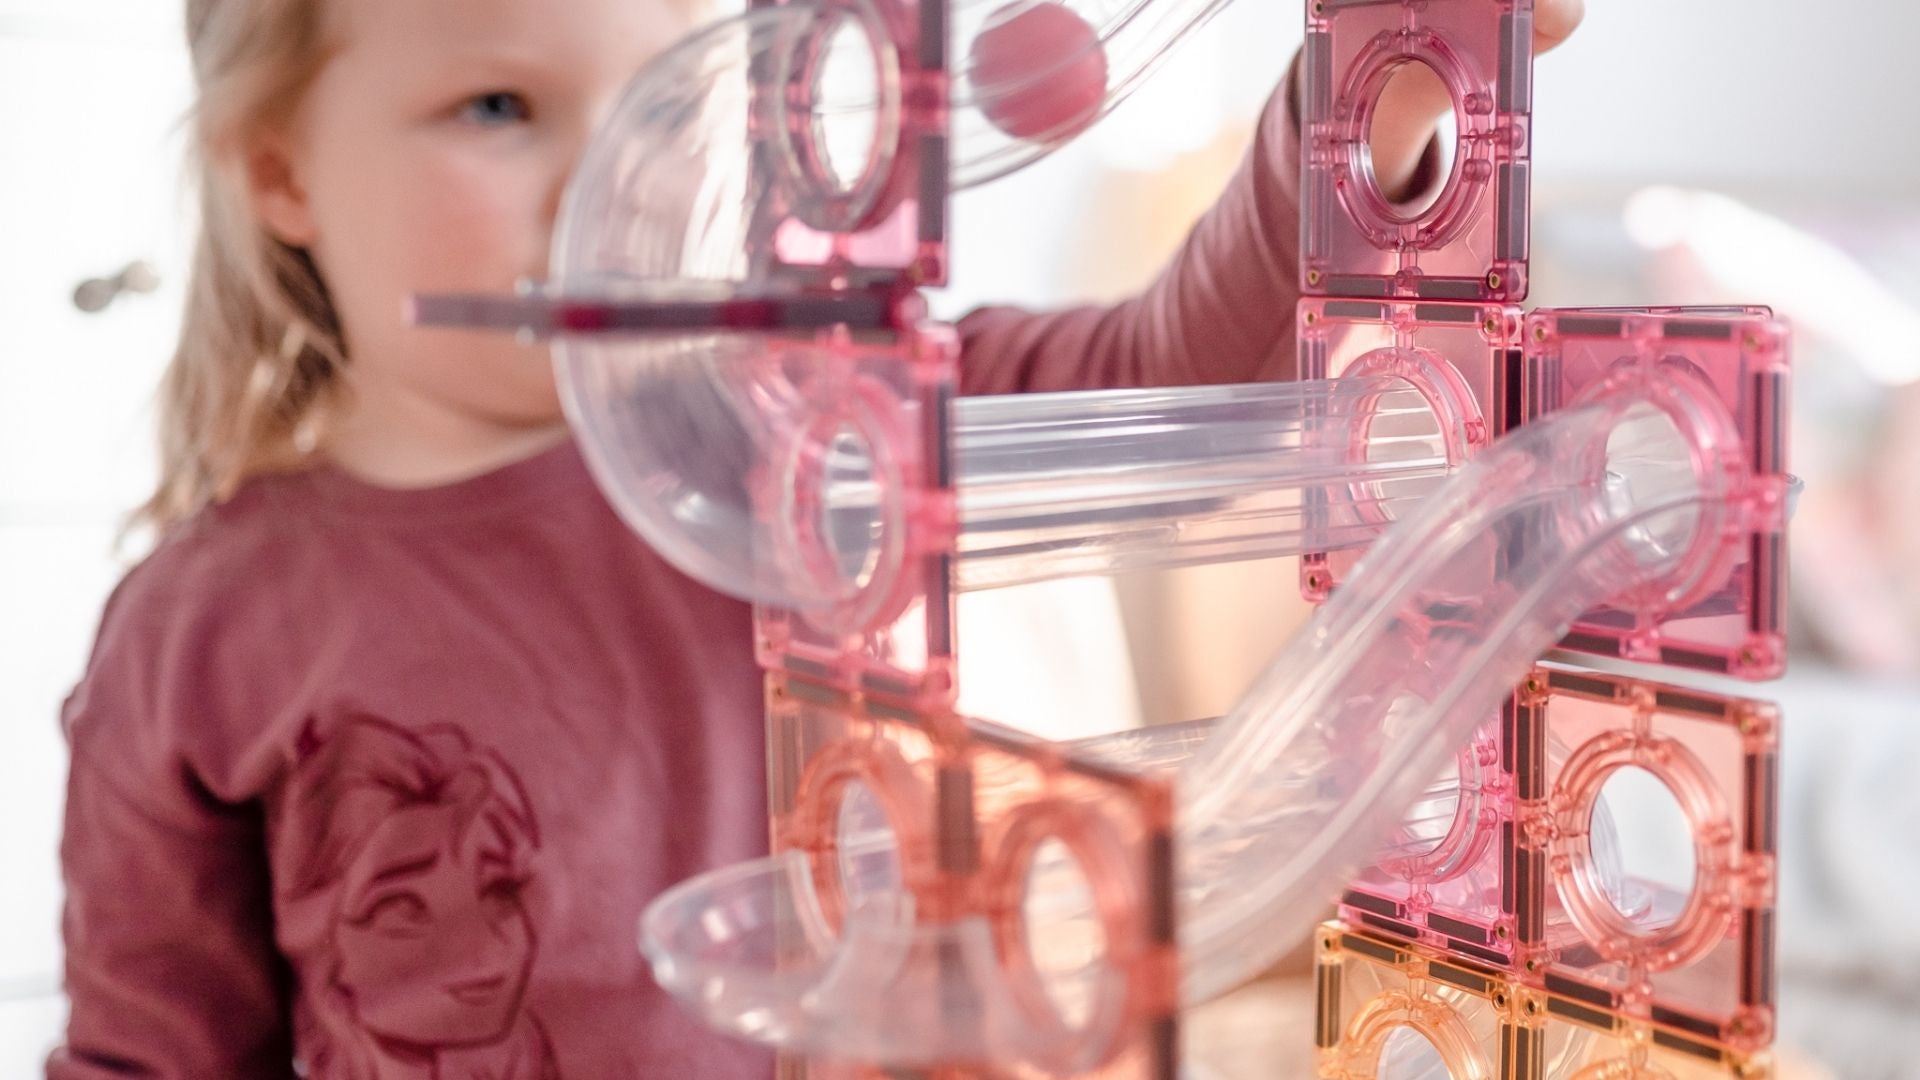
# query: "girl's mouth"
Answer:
x=479 y=991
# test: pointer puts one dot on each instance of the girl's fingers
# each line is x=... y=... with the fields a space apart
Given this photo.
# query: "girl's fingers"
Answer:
x=1554 y=21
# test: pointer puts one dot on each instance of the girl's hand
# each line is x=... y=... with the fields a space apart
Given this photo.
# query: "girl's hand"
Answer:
x=1415 y=100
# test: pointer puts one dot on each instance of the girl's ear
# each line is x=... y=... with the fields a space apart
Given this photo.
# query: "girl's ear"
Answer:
x=275 y=191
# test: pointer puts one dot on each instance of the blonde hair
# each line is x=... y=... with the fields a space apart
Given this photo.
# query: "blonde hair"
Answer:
x=260 y=351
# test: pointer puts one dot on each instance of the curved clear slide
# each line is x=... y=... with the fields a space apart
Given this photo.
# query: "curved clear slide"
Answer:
x=1280 y=804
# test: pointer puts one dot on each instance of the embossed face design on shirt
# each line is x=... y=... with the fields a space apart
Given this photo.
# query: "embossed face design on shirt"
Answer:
x=435 y=942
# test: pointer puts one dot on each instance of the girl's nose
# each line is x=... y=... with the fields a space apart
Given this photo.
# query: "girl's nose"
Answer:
x=556 y=192
x=567 y=153
x=571 y=142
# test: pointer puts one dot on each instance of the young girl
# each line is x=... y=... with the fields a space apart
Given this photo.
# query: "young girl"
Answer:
x=383 y=750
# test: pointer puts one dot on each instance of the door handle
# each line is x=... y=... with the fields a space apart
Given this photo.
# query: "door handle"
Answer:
x=97 y=294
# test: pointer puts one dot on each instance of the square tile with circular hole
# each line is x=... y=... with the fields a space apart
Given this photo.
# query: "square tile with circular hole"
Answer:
x=1444 y=871
x=1654 y=831
x=1469 y=242
x=1716 y=454
x=1460 y=359
x=794 y=146
x=1388 y=1008
x=848 y=489
x=1030 y=880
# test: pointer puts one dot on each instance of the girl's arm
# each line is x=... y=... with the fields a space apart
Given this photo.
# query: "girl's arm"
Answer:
x=170 y=967
x=1220 y=312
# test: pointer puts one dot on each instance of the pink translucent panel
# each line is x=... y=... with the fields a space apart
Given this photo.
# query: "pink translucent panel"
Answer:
x=791 y=147
x=1459 y=352
x=1471 y=243
x=1446 y=878
x=1732 y=616
x=910 y=656
x=943 y=892
x=730 y=453
x=1692 y=951
x=1530 y=873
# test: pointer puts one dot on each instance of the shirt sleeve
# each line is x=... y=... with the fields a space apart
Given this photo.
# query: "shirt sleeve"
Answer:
x=171 y=968
x=1222 y=310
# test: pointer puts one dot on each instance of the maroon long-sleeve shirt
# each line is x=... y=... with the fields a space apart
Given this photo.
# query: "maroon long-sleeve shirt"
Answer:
x=378 y=782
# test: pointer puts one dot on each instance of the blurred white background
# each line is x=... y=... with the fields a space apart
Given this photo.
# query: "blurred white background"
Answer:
x=1783 y=169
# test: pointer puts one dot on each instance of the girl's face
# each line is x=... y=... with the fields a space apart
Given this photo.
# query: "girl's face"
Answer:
x=430 y=155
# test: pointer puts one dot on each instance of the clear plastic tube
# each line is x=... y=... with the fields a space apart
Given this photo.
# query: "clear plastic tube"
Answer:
x=1294 y=789
x=1053 y=485
x=714 y=458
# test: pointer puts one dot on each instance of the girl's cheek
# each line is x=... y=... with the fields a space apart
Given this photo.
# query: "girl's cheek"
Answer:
x=488 y=215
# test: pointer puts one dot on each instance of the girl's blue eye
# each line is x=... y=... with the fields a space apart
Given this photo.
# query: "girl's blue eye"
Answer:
x=499 y=107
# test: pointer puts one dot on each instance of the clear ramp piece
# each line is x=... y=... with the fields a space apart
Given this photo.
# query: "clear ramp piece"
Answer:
x=1312 y=771
x=1335 y=741
x=1685 y=940
x=1050 y=485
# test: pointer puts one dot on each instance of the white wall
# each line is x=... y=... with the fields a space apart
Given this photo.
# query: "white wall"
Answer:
x=87 y=171
x=1748 y=92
